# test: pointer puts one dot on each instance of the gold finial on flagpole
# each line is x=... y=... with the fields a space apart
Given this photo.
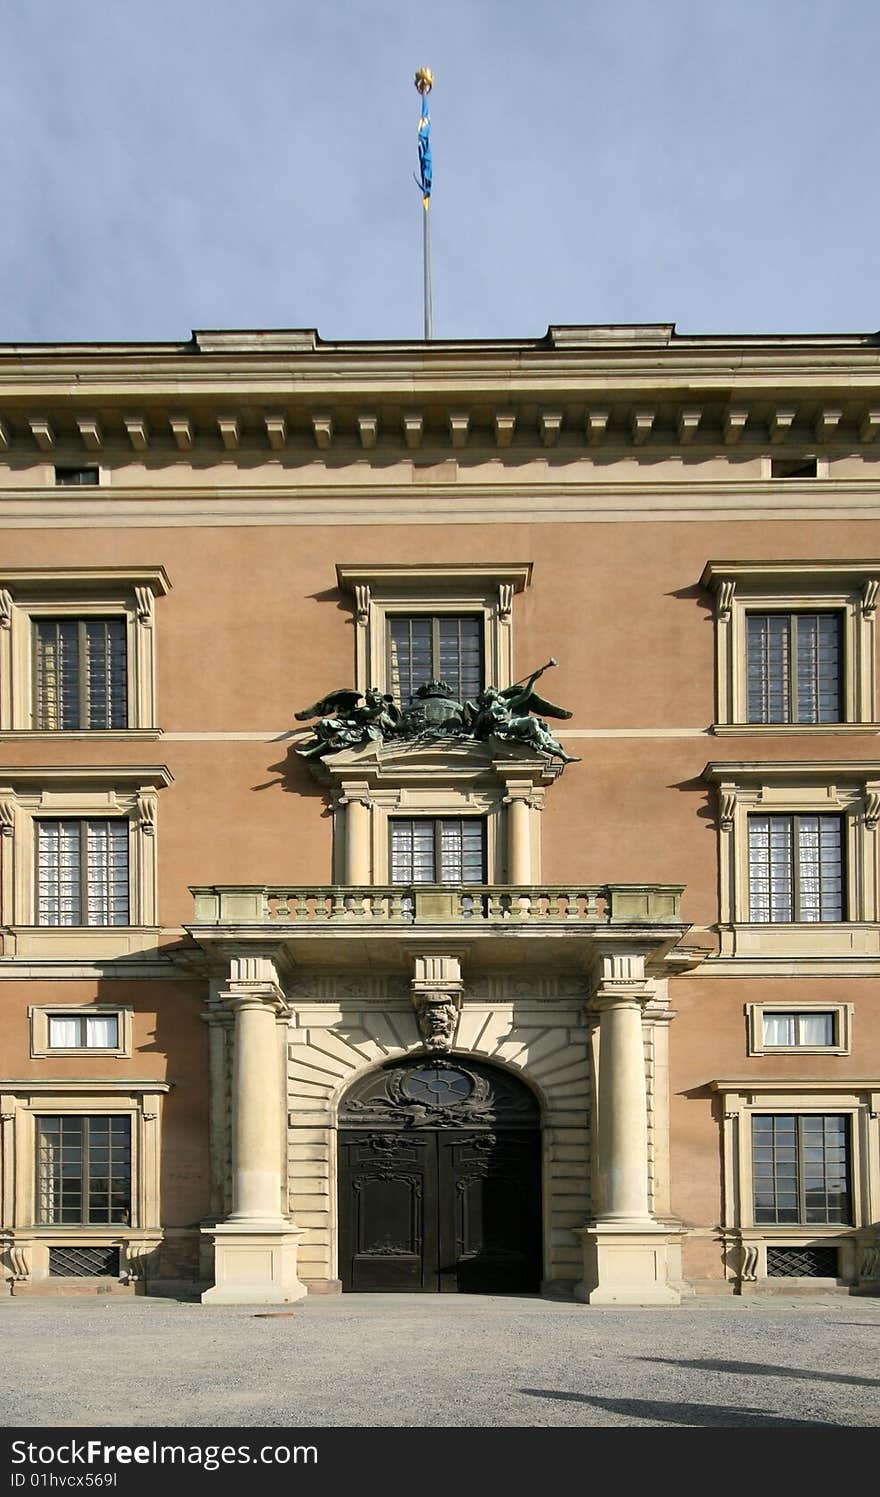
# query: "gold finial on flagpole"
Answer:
x=424 y=80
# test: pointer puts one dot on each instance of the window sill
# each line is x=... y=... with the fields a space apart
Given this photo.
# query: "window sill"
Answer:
x=95 y=942
x=52 y=735
x=791 y=730
x=801 y=941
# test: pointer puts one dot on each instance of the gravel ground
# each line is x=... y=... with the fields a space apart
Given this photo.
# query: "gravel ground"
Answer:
x=441 y=1361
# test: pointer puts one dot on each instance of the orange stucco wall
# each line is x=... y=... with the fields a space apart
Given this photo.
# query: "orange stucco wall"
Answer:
x=254 y=629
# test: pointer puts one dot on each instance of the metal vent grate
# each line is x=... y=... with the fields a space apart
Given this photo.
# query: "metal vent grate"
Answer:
x=802 y=1263
x=83 y=1262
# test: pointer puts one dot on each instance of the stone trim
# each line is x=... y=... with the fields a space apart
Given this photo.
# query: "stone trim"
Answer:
x=40 y=1014
x=848 y=789
x=126 y=792
x=26 y=1241
x=843 y=1021
x=78 y=592
x=849 y=588
x=738 y=1099
x=382 y=591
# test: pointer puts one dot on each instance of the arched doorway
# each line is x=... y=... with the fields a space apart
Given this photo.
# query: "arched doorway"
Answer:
x=440 y=1180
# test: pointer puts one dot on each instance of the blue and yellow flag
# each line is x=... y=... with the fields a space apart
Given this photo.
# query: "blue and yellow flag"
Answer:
x=425 y=151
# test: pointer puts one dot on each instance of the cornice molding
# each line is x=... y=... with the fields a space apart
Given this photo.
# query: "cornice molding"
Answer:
x=818 y=570
x=787 y=769
x=48 y=775
x=384 y=578
x=45 y=579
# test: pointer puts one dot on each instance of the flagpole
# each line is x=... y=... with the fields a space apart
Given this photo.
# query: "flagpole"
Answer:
x=426 y=255
x=424 y=82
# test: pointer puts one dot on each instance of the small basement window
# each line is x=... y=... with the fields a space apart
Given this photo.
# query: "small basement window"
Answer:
x=793 y=467
x=88 y=474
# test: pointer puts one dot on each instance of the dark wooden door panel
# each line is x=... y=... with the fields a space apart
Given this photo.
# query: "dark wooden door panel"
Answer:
x=449 y=1211
x=489 y=1196
x=388 y=1211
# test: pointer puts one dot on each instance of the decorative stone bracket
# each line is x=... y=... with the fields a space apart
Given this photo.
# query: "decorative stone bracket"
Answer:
x=436 y=996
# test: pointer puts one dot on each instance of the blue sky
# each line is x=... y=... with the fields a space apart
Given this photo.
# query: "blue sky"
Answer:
x=177 y=165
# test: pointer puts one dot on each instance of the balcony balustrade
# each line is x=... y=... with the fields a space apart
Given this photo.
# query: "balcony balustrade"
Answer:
x=463 y=905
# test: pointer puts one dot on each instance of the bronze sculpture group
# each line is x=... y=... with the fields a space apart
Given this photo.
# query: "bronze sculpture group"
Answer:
x=349 y=718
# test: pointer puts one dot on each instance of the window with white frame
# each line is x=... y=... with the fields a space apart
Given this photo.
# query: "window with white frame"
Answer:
x=796 y=868
x=795 y=644
x=811 y=1028
x=84 y=1175
x=798 y=857
x=801 y=1169
x=800 y=1188
x=435 y=647
x=442 y=850
x=80 y=673
x=794 y=667
x=77 y=649
x=82 y=872
x=83 y=1031
x=98 y=1028
x=80 y=854
x=80 y=1162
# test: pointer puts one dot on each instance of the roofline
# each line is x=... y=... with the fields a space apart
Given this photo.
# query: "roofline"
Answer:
x=602 y=338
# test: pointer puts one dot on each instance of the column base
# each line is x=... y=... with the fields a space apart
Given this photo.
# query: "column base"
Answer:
x=254 y=1263
x=629 y=1264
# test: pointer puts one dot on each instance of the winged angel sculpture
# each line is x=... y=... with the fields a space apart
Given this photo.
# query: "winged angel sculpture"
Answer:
x=342 y=723
x=349 y=718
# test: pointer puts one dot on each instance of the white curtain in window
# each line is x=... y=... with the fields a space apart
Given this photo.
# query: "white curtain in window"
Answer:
x=779 y=1029
x=64 y=1034
x=816 y=1029
x=101 y=1032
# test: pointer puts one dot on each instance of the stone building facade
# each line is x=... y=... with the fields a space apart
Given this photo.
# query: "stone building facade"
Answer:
x=433 y=988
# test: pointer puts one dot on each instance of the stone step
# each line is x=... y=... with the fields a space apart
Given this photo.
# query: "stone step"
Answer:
x=56 y=1287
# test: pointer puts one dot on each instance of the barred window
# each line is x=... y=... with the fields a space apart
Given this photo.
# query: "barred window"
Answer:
x=448 y=850
x=82 y=872
x=794 y=667
x=801 y=1169
x=447 y=647
x=84 y=1170
x=80 y=673
x=796 y=869
x=83 y=1031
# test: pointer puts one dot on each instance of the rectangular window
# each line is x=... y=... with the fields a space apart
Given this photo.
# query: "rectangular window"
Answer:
x=795 y=868
x=449 y=850
x=794 y=670
x=84 y=1170
x=800 y=1168
x=80 y=673
x=83 y=1031
x=447 y=647
x=82 y=872
x=795 y=1030
x=87 y=474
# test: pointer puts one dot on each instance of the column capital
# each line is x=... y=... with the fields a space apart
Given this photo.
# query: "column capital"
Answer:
x=618 y=977
x=620 y=995
x=255 y=995
x=253 y=982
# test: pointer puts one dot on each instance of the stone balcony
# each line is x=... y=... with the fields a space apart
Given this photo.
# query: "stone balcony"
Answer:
x=378 y=927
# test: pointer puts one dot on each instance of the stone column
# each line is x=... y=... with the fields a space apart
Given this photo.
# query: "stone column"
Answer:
x=627 y=1254
x=357 y=863
x=519 y=841
x=255 y=1247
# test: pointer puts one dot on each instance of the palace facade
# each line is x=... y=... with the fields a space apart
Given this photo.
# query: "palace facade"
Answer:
x=466 y=977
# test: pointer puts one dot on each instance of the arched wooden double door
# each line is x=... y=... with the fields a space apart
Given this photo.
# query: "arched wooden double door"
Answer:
x=440 y=1180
